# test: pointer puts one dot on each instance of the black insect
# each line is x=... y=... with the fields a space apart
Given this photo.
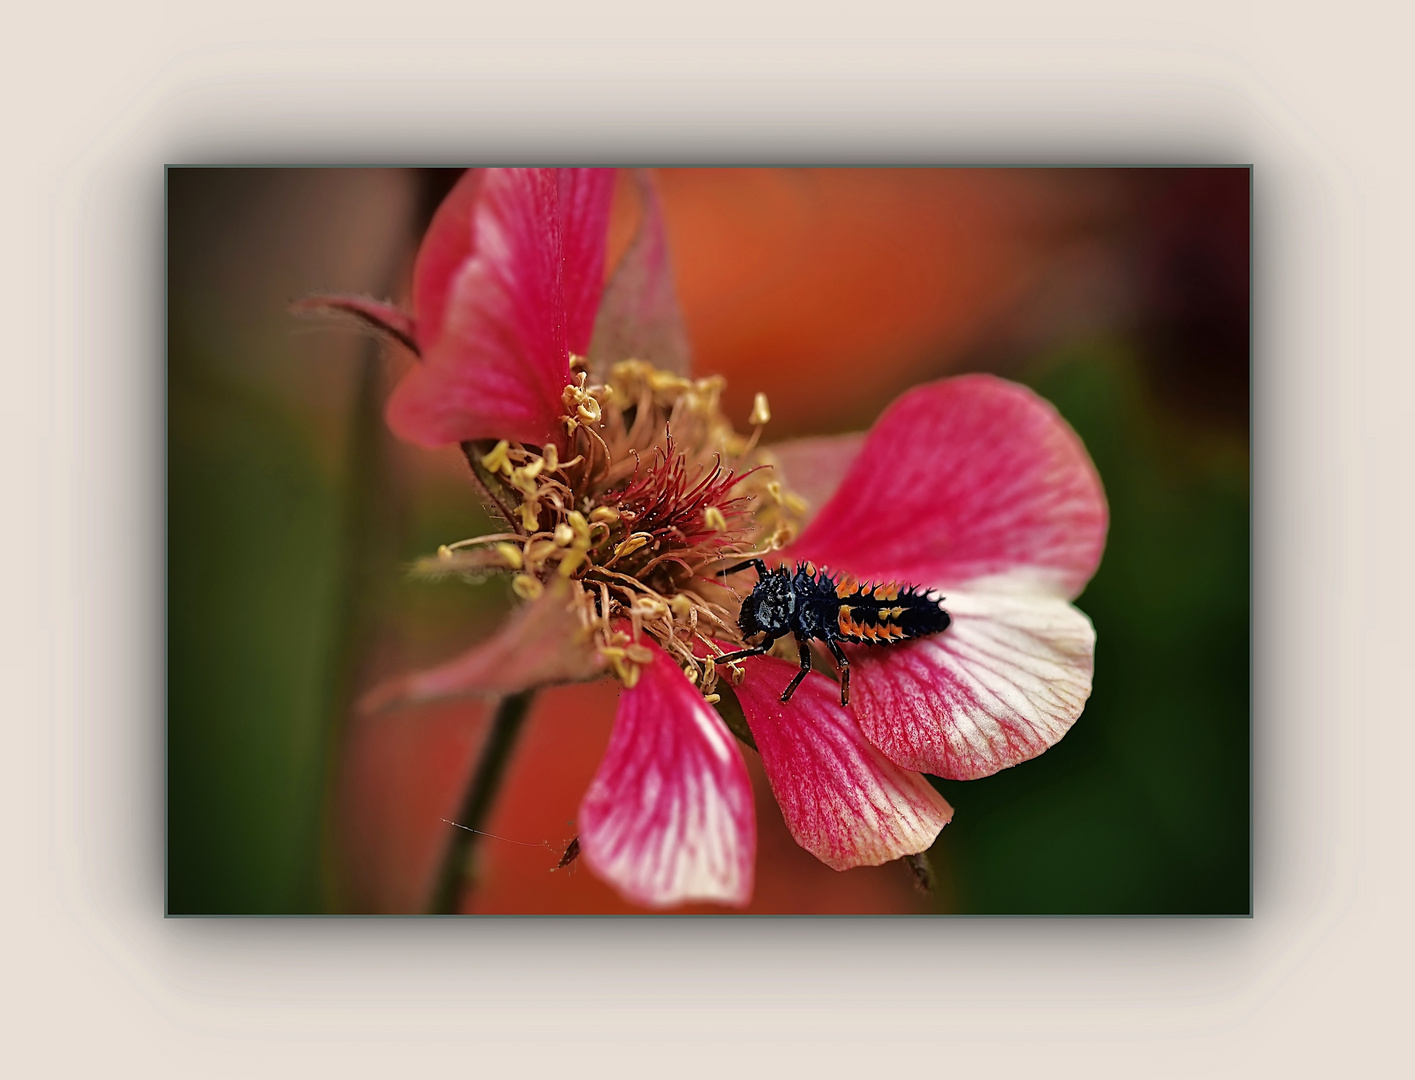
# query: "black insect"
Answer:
x=813 y=603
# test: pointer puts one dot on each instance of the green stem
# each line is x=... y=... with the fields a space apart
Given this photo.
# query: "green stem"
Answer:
x=456 y=869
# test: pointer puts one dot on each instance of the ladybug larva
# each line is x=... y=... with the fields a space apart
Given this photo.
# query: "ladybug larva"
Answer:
x=813 y=603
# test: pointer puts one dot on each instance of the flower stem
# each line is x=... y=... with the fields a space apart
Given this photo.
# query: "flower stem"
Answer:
x=477 y=801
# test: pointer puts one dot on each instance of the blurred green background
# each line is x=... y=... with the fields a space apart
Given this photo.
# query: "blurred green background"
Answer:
x=1120 y=295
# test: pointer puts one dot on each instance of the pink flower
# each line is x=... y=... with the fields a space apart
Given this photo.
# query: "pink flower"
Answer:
x=624 y=491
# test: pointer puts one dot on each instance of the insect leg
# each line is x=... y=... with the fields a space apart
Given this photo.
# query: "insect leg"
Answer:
x=839 y=654
x=755 y=650
x=803 y=643
x=757 y=563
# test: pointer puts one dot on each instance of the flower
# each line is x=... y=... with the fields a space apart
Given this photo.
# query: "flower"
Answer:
x=624 y=491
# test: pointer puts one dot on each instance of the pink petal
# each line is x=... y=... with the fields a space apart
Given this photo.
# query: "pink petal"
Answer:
x=585 y=198
x=1004 y=682
x=541 y=643
x=669 y=816
x=446 y=245
x=639 y=316
x=501 y=361
x=963 y=478
x=392 y=322
x=843 y=800
x=814 y=468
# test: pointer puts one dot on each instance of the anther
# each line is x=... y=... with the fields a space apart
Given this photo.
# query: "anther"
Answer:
x=571 y=562
x=526 y=587
x=633 y=544
x=564 y=535
x=579 y=527
x=666 y=380
x=579 y=402
x=496 y=458
x=761 y=411
x=443 y=551
x=606 y=515
x=510 y=554
x=539 y=550
x=651 y=608
x=713 y=519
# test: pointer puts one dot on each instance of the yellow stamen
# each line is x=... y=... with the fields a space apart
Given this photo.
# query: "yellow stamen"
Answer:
x=579 y=527
x=496 y=457
x=524 y=478
x=666 y=380
x=631 y=545
x=537 y=551
x=651 y=608
x=571 y=562
x=526 y=587
x=581 y=518
x=510 y=555
x=761 y=411
x=579 y=402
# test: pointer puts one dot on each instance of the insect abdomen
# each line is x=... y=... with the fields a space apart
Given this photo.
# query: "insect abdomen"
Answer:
x=888 y=613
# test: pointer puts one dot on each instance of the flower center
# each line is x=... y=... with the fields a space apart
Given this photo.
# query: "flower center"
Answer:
x=648 y=492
